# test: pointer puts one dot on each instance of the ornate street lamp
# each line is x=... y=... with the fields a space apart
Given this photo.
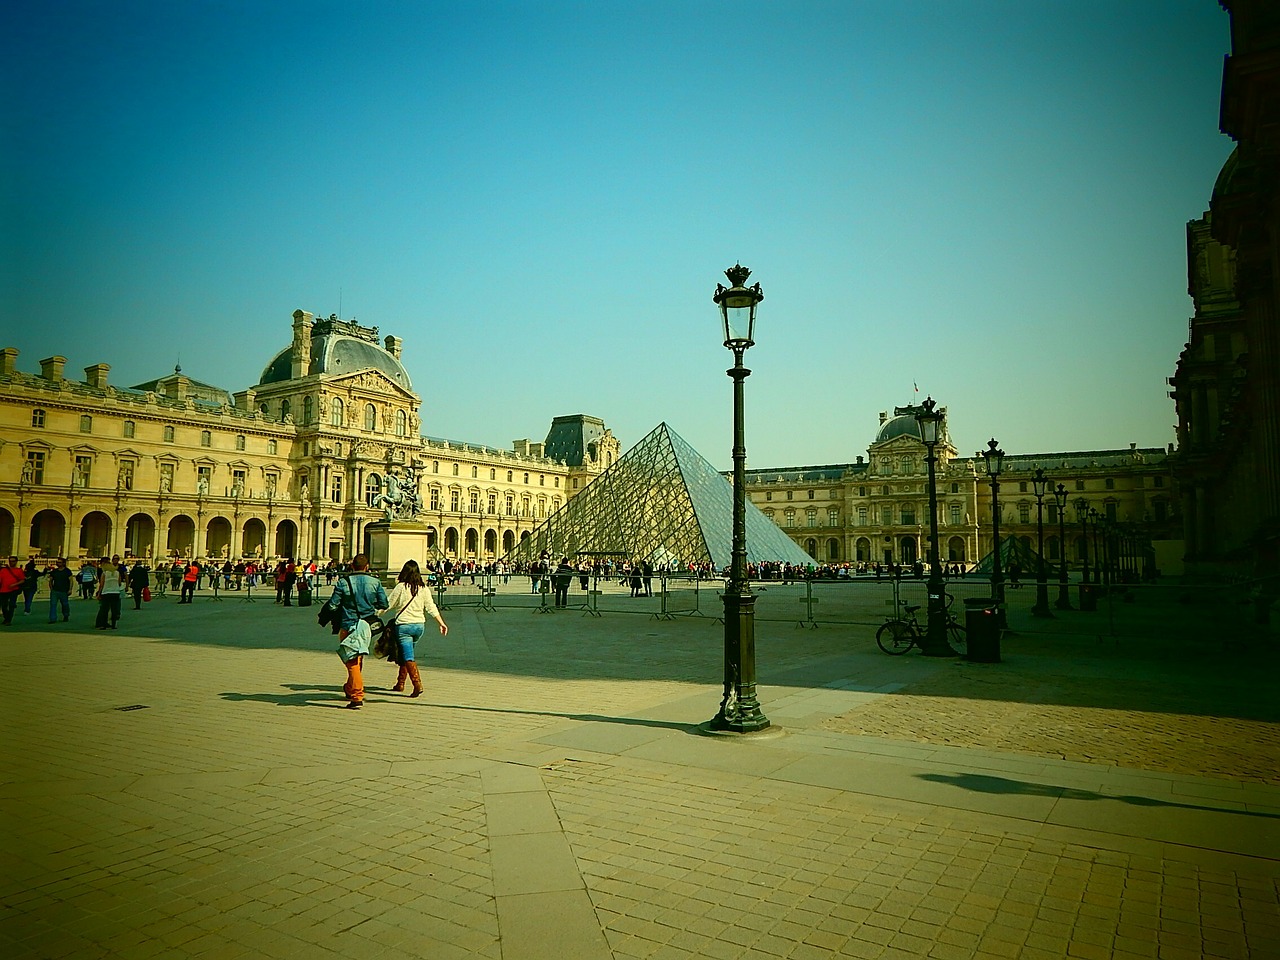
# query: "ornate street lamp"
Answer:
x=1108 y=552
x=1040 y=484
x=1087 y=601
x=994 y=458
x=1064 y=591
x=1099 y=546
x=739 y=709
x=935 y=641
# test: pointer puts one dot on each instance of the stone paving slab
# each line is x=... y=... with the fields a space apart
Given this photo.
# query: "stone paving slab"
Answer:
x=550 y=798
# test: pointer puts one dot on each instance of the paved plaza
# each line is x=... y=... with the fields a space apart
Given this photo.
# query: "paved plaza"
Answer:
x=190 y=786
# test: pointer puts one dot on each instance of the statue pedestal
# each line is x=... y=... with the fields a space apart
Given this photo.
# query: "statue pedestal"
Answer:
x=392 y=542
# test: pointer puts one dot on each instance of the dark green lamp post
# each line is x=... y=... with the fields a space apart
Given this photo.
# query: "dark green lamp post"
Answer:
x=1064 y=591
x=1040 y=485
x=993 y=456
x=935 y=641
x=739 y=709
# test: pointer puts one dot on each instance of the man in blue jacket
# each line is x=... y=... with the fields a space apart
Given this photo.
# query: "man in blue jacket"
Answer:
x=357 y=597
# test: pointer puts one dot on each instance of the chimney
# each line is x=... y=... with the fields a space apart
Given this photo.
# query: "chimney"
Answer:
x=301 y=344
x=96 y=376
x=393 y=346
x=51 y=367
x=245 y=399
x=1133 y=447
x=883 y=417
x=8 y=362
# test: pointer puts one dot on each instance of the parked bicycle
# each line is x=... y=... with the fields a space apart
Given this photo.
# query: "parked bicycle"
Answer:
x=900 y=633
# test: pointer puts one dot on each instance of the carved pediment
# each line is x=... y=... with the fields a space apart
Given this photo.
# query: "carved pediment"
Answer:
x=369 y=381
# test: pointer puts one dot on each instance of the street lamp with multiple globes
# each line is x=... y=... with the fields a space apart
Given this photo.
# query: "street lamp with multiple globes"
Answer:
x=1040 y=484
x=994 y=458
x=935 y=641
x=1064 y=591
x=739 y=709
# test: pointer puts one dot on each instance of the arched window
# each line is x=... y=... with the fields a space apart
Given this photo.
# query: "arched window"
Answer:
x=402 y=424
x=284 y=409
x=370 y=417
x=372 y=489
x=336 y=413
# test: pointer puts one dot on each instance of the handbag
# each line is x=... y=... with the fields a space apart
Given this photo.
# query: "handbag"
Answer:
x=146 y=594
x=387 y=646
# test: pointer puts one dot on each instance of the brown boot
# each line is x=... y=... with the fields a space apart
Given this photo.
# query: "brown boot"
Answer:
x=404 y=675
x=416 y=678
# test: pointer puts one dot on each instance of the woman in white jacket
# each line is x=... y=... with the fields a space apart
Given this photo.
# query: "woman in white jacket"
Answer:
x=409 y=604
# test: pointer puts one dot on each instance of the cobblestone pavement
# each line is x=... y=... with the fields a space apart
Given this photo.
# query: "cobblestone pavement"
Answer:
x=1007 y=708
x=550 y=796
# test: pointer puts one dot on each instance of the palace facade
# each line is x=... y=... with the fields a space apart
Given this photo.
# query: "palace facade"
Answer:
x=876 y=510
x=296 y=465
x=1227 y=382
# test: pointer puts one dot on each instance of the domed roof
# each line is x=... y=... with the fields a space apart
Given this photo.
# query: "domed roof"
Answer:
x=1223 y=185
x=904 y=426
x=337 y=354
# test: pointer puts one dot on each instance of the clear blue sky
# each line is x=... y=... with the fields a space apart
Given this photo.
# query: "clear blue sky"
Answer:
x=987 y=199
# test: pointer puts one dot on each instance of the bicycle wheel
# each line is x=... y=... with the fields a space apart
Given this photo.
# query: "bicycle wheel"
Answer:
x=958 y=638
x=896 y=637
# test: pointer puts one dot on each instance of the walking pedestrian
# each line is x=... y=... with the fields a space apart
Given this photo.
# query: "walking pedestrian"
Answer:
x=60 y=578
x=139 y=580
x=408 y=607
x=190 y=574
x=561 y=580
x=357 y=597
x=11 y=579
x=110 y=589
x=88 y=577
x=30 y=580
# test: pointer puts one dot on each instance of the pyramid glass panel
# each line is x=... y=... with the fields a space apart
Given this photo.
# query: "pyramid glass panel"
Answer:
x=662 y=501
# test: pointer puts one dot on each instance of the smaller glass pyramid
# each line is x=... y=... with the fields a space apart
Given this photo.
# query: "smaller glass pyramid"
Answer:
x=661 y=502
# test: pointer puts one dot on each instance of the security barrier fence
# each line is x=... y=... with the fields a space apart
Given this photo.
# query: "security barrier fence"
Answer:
x=1240 y=611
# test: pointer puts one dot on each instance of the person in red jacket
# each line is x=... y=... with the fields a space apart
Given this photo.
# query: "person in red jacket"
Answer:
x=11 y=580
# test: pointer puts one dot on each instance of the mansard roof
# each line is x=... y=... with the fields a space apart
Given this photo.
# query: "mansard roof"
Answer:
x=339 y=348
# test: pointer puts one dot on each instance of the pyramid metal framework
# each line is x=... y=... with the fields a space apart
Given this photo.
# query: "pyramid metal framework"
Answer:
x=661 y=502
x=1013 y=550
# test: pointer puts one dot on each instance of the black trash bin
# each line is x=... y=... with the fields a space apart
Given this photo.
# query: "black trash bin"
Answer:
x=982 y=624
x=1088 y=597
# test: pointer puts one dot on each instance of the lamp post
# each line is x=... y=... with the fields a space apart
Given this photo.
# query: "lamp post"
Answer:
x=1040 y=483
x=739 y=709
x=935 y=641
x=1064 y=591
x=994 y=458
x=1087 y=601
x=1097 y=550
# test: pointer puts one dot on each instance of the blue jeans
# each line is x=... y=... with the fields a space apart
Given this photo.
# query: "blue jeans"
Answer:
x=58 y=598
x=409 y=634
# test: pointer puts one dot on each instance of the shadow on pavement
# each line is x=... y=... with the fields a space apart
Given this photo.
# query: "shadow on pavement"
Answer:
x=982 y=783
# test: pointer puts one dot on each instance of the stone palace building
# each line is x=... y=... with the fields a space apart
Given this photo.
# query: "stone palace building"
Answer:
x=876 y=510
x=295 y=465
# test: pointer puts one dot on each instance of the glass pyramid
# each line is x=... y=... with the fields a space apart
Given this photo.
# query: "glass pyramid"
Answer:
x=1012 y=550
x=662 y=502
